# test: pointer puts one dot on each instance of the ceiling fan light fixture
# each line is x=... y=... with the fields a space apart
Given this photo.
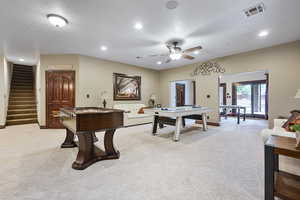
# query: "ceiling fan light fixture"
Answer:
x=175 y=56
x=196 y=52
x=57 y=20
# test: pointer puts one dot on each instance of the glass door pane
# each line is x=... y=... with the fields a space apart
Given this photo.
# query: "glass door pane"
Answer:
x=259 y=98
x=243 y=96
x=221 y=93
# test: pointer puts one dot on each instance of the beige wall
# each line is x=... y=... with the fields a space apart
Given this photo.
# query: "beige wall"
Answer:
x=5 y=78
x=96 y=76
x=282 y=62
x=52 y=62
x=92 y=77
x=2 y=92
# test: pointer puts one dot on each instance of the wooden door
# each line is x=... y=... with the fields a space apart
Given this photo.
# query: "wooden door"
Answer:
x=60 y=93
x=180 y=94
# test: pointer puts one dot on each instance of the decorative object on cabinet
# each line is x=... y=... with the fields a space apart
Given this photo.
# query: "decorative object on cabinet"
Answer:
x=152 y=100
x=296 y=128
x=104 y=96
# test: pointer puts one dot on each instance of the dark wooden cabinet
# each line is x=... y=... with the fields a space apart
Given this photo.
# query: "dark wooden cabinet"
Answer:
x=279 y=183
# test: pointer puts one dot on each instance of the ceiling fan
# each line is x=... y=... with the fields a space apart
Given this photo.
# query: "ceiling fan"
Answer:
x=175 y=52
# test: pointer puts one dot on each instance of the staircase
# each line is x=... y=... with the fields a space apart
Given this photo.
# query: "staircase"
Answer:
x=22 y=105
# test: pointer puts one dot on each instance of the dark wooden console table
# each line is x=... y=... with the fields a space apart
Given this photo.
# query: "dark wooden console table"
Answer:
x=279 y=183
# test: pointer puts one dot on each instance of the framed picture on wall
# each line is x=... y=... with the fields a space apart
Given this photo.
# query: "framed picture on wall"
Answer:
x=126 y=87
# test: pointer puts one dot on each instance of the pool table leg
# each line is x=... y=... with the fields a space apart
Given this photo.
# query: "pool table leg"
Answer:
x=178 y=127
x=155 y=123
x=204 y=121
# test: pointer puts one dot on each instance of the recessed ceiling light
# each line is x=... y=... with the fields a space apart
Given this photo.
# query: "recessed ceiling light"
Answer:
x=196 y=52
x=57 y=20
x=172 y=4
x=263 y=34
x=159 y=62
x=103 y=48
x=21 y=60
x=138 y=26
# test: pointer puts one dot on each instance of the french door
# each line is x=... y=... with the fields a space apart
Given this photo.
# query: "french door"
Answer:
x=253 y=95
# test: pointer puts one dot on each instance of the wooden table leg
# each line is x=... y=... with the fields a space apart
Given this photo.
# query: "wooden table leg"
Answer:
x=110 y=149
x=178 y=127
x=88 y=153
x=69 y=140
x=155 y=122
x=270 y=160
x=204 y=121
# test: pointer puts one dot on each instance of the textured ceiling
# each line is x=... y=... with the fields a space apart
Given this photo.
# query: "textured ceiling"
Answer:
x=220 y=26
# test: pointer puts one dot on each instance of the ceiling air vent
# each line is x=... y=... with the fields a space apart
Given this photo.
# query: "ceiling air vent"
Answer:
x=259 y=8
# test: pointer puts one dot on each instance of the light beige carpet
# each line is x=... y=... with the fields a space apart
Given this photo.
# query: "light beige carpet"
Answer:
x=224 y=163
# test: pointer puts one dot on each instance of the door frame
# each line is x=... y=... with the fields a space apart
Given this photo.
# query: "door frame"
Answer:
x=234 y=97
x=224 y=85
x=46 y=89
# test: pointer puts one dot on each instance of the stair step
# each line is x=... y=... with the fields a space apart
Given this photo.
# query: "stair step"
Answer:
x=18 y=77
x=20 y=111
x=22 y=116
x=22 y=95
x=21 y=121
x=21 y=84
x=29 y=106
x=21 y=102
x=22 y=69
x=21 y=87
x=27 y=73
x=21 y=90
x=21 y=98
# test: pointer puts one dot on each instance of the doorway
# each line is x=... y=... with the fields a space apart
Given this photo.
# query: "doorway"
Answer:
x=60 y=93
x=222 y=92
x=253 y=95
x=182 y=93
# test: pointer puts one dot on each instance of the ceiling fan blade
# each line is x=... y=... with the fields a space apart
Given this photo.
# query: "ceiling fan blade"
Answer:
x=153 y=55
x=169 y=60
x=188 y=57
x=192 y=49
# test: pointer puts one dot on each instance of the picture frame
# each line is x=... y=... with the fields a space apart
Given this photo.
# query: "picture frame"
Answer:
x=126 y=87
